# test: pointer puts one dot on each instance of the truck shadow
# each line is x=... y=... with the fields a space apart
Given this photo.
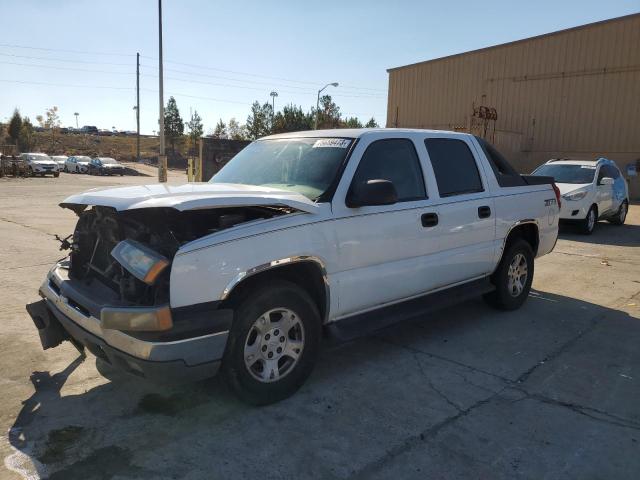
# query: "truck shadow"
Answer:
x=128 y=427
x=605 y=233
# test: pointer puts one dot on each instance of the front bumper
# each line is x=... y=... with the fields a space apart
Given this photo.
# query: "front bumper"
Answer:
x=68 y=310
x=572 y=210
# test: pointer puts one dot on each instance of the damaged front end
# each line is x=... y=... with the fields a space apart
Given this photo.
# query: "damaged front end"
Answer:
x=112 y=295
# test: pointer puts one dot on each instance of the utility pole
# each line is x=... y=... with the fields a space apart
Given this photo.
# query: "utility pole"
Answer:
x=76 y=114
x=138 y=106
x=162 y=158
x=273 y=94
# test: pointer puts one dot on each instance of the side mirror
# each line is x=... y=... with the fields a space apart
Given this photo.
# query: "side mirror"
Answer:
x=372 y=192
x=606 y=181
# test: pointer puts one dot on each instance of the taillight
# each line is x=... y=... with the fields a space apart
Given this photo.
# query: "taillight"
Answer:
x=557 y=191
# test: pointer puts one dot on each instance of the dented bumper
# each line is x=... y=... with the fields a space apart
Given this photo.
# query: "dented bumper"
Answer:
x=192 y=350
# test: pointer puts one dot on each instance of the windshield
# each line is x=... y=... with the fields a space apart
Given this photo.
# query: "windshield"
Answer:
x=567 y=173
x=304 y=165
x=83 y=159
x=39 y=157
x=107 y=160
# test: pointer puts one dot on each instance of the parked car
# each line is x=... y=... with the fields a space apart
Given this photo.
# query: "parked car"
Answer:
x=40 y=164
x=105 y=166
x=60 y=160
x=343 y=230
x=591 y=191
x=90 y=129
x=104 y=132
x=77 y=164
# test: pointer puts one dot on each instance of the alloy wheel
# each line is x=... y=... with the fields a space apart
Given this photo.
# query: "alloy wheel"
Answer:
x=517 y=275
x=273 y=345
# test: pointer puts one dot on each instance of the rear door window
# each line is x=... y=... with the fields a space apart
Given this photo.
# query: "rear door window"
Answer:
x=454 y=166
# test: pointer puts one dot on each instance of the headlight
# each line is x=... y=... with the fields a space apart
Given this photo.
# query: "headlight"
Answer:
x=575 y=196
x=142 y=262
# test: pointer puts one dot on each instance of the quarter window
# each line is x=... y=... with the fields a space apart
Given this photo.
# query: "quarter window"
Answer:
x=396 y=160
x=454 y=166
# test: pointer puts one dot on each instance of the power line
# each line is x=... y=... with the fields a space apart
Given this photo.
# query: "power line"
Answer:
x=79 y=52
x=315 y=84
x=63 y=60
x=191 y=65
x=55 y=67
x=26 y=82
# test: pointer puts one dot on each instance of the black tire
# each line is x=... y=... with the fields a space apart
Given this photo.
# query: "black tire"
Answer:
x=56 y=174
x=503 y=297
x=621 y=214
x=587 y=226
x=275 y=295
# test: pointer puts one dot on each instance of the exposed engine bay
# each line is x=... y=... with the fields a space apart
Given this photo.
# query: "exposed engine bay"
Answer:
x=163 y=230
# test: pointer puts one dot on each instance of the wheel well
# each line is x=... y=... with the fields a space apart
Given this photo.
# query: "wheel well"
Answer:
x=308 y=275
x=526 y=231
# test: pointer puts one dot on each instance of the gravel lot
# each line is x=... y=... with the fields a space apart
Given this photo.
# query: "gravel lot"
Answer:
x=549 y=391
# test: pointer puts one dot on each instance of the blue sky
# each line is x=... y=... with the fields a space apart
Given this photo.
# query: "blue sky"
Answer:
x=220 y=56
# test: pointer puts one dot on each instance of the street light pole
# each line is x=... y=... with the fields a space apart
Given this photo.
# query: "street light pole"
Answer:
x=162 y=158
x=334 y=84
x=76 y=114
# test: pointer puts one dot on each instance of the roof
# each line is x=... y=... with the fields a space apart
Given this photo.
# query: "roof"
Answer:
x=523 y=40
x=349 y=132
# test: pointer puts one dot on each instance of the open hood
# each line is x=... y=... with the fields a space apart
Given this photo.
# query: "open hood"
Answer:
x=192 y=196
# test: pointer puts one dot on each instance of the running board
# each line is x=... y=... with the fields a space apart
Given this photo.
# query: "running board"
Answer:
x=362 y=324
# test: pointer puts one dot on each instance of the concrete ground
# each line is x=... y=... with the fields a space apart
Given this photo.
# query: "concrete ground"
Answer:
x=549 y=391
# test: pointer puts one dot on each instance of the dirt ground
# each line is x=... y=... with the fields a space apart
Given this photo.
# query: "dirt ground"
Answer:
x=549 y=391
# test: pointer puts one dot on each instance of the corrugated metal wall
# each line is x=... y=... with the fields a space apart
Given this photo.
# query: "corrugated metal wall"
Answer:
x=569 y=93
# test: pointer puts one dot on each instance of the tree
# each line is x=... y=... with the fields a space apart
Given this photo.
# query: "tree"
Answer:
x=329 y=113
x=195 y=128
x=25 y=140
x=220 y=130
x=352 y=122
x=173 y=124
x=259 y=120
x=292 y=119
x=371 y=123
x=237 y=131
x=15 y=124
x=51 y=120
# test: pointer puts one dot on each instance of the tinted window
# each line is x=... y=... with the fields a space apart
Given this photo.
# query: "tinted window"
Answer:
x=611 y=171
x=454 y=166
x=395 y=160
x=602 y=173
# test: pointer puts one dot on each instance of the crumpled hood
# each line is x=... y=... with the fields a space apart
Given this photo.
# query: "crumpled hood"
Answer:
x=570 y=187
x=191 y=196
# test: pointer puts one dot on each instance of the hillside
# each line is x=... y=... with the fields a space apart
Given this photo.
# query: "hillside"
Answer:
x=119 y=147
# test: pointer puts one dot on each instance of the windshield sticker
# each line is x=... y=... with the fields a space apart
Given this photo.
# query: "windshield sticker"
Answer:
x=588 y=167
x=331 y=143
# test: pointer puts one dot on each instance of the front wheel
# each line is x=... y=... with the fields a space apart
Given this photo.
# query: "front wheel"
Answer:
x=589 y=223
x=621 y=216
x=273 y=343
x=56 y=174
x=513 y=277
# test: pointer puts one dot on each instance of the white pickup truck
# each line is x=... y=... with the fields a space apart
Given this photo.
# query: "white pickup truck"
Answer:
x=345 y=231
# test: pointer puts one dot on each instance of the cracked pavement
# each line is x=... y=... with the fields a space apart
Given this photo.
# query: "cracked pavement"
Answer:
x=549 y=391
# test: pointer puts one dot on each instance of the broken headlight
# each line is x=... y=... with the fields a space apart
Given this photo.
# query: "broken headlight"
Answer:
x=139 y=260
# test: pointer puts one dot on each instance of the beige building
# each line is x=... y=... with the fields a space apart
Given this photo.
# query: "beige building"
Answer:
x=572 y=93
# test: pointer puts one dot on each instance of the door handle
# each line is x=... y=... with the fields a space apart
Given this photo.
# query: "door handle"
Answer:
x=484 y=212
x=429 y=220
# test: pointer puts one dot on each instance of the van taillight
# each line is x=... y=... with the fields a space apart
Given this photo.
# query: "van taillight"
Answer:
x=557 y=191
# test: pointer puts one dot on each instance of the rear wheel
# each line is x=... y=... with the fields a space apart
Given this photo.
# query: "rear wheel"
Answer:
x=588 y=225
x=513 y=277
x=621 y=216
x=273 y=343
